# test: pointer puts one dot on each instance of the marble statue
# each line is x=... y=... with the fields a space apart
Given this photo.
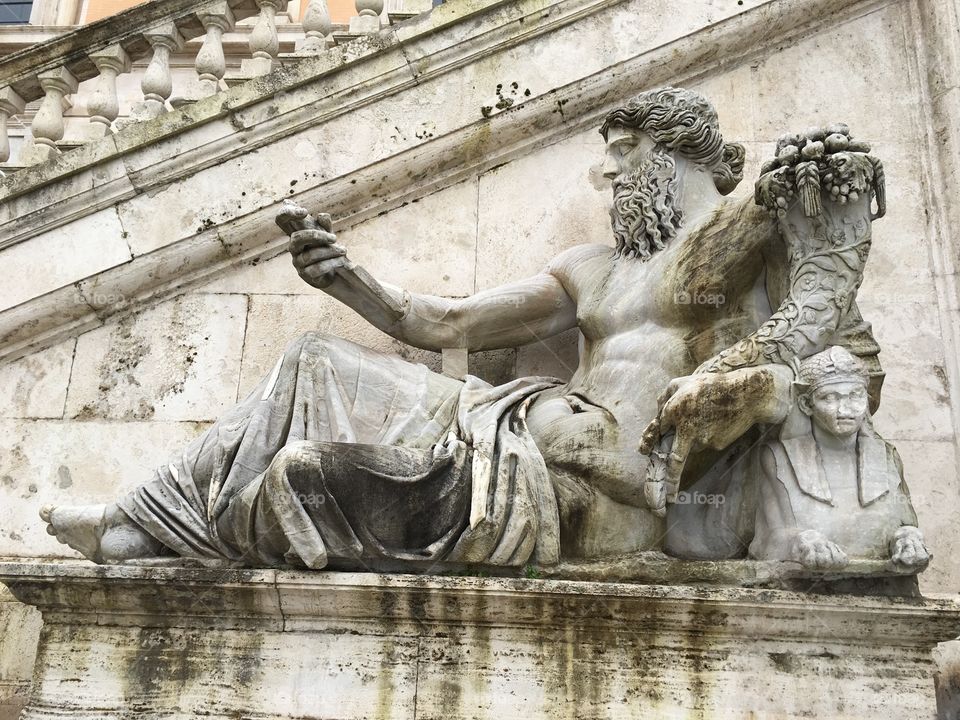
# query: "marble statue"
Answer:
x=346 y=457
x=830 y=488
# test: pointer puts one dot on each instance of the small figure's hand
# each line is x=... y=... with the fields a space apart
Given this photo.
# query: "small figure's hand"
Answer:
x=316 y=255
x=907 y=548
x=815 y=552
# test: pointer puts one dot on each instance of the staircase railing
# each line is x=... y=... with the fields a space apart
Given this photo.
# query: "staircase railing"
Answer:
x=52 y=71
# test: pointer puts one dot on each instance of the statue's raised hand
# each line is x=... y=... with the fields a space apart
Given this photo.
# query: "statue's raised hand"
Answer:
x=313 y=246
x=319 y=260
x=708 y=410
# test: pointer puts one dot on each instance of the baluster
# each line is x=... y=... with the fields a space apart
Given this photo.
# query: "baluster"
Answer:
x=368 y=20
x=211 y=64
x=10 y=104
x=47 y=125
x=318 y=26
x=157 y=81
x=104 y=105
x=264 y=41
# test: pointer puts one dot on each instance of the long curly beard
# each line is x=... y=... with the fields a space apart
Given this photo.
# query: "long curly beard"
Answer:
x=645 y=216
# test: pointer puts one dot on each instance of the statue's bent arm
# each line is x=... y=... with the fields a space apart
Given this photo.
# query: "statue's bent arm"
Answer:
x=514 y=314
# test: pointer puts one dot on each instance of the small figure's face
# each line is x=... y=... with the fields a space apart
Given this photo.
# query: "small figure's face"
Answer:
x=626 y=151
x=839 y=408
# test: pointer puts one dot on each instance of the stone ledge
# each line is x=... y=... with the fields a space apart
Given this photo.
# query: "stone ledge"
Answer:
x=147 y=642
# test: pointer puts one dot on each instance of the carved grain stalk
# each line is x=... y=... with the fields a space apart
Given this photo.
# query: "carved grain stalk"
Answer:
x=104 y=105
x=10 y=104
x=48 y=127
x=211 y=64
x=157 y=82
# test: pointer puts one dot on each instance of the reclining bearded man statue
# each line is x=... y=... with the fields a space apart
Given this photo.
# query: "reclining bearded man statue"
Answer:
x=348 y=458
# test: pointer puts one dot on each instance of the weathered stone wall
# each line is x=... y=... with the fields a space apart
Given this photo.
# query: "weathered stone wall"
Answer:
x=19 y=627
x=89 y=418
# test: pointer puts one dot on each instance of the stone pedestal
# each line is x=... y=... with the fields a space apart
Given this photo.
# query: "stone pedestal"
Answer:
x=128 y=642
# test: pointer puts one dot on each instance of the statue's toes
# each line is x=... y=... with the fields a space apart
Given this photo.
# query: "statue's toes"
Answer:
x=46 y=513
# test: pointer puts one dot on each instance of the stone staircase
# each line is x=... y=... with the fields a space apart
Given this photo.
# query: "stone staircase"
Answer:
x=51 y=72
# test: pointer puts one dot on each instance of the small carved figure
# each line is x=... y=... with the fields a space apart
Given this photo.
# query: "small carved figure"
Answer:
x=831 y=489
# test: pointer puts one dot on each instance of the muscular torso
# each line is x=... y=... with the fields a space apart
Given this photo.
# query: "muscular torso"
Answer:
x=637 y=333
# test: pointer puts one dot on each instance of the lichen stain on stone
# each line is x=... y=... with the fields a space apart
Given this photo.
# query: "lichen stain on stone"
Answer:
x=118 y=371
x=784 y=662
x=64 y=479
x=703 y=653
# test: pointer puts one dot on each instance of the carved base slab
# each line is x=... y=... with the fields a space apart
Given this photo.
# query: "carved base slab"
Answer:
x=135 y=642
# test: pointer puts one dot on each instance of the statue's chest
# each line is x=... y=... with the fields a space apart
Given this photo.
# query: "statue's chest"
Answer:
x=629 y=295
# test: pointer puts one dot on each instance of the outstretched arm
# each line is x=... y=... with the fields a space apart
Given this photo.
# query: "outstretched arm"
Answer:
x=513 y=314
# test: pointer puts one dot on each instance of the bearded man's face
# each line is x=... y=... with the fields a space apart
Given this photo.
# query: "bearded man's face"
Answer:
x=645 y=214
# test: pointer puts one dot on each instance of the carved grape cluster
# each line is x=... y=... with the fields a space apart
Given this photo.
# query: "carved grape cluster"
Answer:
x=822 y=163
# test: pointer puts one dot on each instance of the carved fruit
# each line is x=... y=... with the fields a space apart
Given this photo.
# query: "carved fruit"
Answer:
x=788 y=155
x=839 y=129
x=813 y=149
x=785 y=140
x=836 y=142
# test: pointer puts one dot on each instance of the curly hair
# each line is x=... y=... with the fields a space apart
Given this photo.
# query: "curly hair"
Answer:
x=683 y=121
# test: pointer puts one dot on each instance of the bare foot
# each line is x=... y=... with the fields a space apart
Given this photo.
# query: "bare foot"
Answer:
x=102 y=533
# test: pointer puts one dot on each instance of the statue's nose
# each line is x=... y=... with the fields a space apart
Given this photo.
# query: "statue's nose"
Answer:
x=610 y=169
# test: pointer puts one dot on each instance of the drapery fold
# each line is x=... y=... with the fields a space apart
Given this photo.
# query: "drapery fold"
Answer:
x=345 y=453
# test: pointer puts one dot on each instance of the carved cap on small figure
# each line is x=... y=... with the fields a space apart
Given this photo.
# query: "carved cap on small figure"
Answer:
x=833 y=365
x=685 y=122
x=832 y=391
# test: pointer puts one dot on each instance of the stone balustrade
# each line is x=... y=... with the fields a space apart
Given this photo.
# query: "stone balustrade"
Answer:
x=51 y=72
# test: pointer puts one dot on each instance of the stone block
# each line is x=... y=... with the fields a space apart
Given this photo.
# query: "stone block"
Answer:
x=533 y=208
x=275 y=321
x=67 y=254
x=427 y=245
x=36 y=386
x=915 y=402
x=74 y=463
x=227 y=190
x=179 y=642
x=930 y=469
x=179 y=360
x=19 y=632
x=899 y=268
x=819 y=72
